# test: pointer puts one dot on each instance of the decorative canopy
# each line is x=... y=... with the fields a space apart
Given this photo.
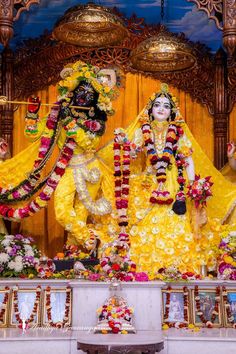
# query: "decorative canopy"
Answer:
x=90 y=25
x=163 y=52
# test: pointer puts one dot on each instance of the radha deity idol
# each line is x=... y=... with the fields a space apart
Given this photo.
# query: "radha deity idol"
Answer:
x=163 y=226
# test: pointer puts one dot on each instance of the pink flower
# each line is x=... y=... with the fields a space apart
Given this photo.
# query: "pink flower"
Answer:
x=94 y=276
x=92 y=125
x=142 y=276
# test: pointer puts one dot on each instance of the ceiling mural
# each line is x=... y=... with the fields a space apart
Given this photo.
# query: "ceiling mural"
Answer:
x=179 y=16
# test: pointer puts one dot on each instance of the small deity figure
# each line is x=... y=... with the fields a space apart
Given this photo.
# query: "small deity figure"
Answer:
x=206 y=305
x=175 y=310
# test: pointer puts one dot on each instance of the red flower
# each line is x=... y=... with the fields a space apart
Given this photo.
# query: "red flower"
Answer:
x=92 y=125
x=115 y=267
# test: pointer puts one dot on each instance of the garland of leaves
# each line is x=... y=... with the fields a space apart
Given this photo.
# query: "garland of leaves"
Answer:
x=65 y=321
x=4 y=303
x=167 y=309
x=215 y=312
x=35 y=307
x=230 y=317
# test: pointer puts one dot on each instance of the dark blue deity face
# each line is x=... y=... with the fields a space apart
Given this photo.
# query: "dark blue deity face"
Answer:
x=84 y=95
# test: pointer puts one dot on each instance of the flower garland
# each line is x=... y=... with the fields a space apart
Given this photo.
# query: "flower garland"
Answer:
x=51 y=184
x=121 y=174
x=4 y=303
x=26 y=188
x=230 y=317
x=161 y=163
x=167 y=309
x=65 y=321
x=215 y=312
x=34 y=310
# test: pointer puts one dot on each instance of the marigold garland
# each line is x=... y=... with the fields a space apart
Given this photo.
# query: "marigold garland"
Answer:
x=65 y=321
x=34 y=310
x=215 y=312
x=4 y=303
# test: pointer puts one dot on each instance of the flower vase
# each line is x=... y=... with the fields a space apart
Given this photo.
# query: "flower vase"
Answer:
x=199 y=219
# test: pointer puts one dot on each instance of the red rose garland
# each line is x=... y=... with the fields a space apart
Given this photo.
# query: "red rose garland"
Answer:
x=51 y=184
x=230 y=317
x=26 y=187
x=122 y=174
x=161 y=163
x=4 y=303
x=35 y=307
x=167 y=309
x=65 y=321
x=199 y=312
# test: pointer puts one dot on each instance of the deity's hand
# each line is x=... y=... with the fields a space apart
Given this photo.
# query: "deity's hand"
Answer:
x=34 y=104
x=4 y=152
x=230 y=149
x=120 y=136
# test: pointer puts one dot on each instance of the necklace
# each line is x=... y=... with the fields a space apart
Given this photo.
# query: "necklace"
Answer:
x=159 y=130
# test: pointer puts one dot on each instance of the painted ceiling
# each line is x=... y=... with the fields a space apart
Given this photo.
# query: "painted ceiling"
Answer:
x=179 y=16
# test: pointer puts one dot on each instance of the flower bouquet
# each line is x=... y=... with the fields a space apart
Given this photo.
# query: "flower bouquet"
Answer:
x=200 y=191
x=18 y=256
x=227 y=261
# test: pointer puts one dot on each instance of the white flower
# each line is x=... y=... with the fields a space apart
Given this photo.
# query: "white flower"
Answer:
x=27 y=248
x=133 y=231
x=8 y=249
x=18 y=267
x=11 y=265
x=18 y=259
x=155 y=230
x=232 y=233
x=29 y=253
x=25 y=240
x=4 y=258
x=6 y=242
x=80 y=223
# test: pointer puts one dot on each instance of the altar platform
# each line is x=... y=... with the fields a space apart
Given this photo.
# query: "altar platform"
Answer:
x=59 y=341
x=145 y=297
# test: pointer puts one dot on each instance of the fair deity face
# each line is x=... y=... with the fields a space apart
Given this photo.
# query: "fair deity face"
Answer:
x=161 y=109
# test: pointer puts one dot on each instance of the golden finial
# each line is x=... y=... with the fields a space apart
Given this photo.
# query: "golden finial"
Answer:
x=164 y=88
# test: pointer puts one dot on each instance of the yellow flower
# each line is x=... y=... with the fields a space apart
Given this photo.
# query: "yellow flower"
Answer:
x=87 y=74
x=165 y=326
x=107 y=89
x=228 y=259
x=191 y=326
x=123 y=332
x=104 y=331
x=31 y=276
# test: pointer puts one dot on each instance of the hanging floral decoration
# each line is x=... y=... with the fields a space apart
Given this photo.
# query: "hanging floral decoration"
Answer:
x=51 y=184
x=226 y=304
x=31 y=185
x=34 y=310
x=167 y=309
x=199 y=312
x=4 y=303
x=66 y=321
x=122 y=173
x=200 y=190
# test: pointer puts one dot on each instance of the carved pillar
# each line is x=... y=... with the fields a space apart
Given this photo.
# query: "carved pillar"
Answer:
x=6 y=21
x=221 y=115
x=229 y=26
x=7 y=90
